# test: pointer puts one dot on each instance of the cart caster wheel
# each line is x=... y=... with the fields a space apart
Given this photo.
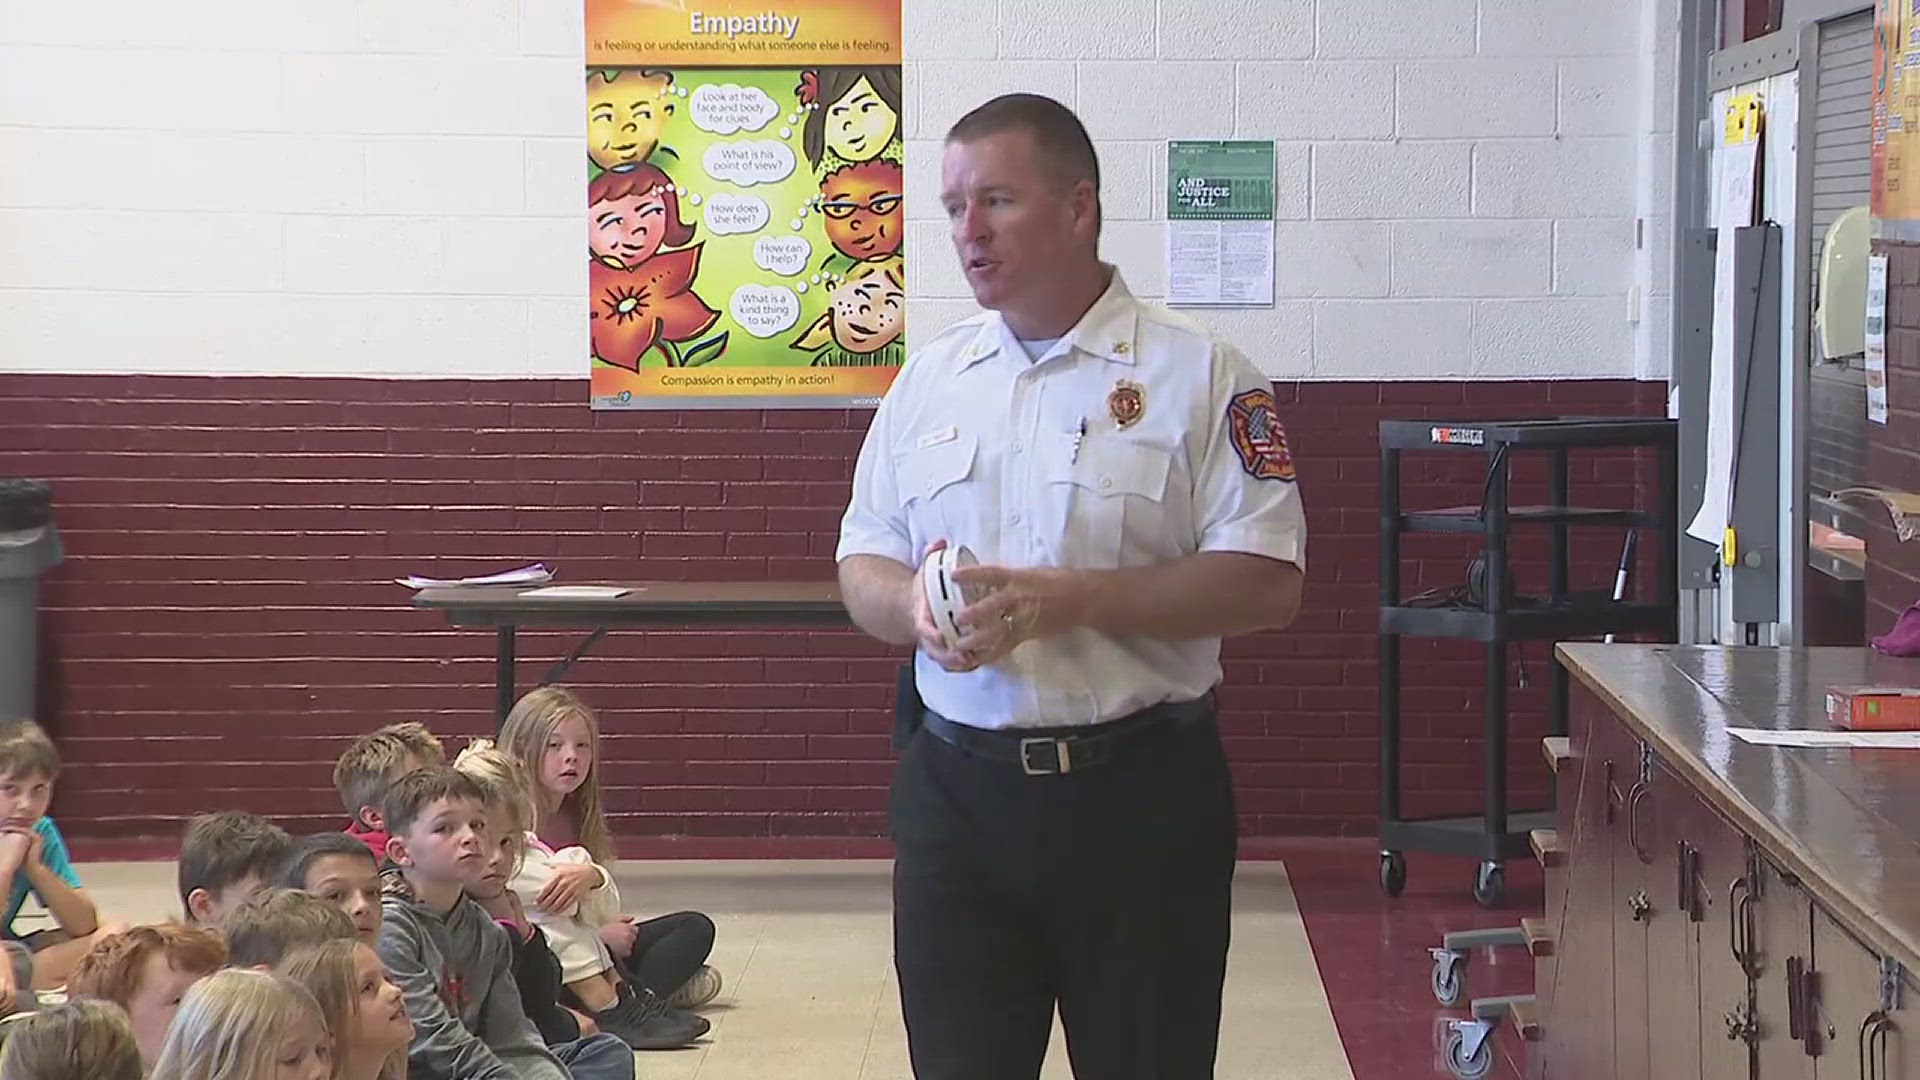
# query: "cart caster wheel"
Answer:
x=1449 y=976
x=1489 y=885
x=1461 y=1063
x=1393 y=873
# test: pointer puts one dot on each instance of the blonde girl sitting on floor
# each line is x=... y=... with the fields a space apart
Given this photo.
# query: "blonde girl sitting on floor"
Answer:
x=556 y=739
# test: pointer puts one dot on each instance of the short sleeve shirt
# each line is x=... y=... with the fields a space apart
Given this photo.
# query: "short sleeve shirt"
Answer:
x=53 y=852
x=1136 y=440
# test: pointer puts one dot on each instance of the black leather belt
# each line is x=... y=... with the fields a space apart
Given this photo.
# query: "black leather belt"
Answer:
x=1059 y=751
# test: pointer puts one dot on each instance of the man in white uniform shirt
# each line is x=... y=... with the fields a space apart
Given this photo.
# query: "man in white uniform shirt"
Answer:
x=1062 y=812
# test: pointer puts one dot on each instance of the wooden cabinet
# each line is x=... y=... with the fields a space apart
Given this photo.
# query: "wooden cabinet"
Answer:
x=1782 y=949
x=1631 y=905
x=1677 y=828
x=1726 y=907
x=1582 y=970
x=1678 y=940
x=1861 y=1039
x=1720 y=858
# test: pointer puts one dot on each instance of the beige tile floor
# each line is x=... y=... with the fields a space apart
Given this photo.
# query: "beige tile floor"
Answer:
x=810 y=994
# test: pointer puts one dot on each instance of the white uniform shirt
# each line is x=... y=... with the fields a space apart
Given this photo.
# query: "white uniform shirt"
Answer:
x=977 y=445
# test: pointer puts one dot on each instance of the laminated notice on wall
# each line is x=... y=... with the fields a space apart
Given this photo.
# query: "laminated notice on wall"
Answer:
x=1876 y=347
x=1220 y=224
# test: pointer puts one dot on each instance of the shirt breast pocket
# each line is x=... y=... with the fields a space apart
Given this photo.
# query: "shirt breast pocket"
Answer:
x=1112 y=498
x=934 y=487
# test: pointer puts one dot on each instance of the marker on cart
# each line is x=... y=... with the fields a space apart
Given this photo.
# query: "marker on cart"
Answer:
x=1620 y=574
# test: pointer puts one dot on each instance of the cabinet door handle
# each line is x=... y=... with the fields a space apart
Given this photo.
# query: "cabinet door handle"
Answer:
x=1689 y=890
x=1738 y=895
x=1613 y=794
x=1634 y=797
x=1796 y=999
x=1872 y=1042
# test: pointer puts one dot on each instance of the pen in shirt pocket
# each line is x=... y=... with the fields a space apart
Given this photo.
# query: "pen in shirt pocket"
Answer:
x=1079 y=434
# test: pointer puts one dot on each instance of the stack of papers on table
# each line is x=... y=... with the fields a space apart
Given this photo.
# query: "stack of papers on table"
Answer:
x=537 y=574
x=1858 y=740
x=576 y=592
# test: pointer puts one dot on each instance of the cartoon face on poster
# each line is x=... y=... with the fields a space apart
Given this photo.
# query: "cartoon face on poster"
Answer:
x=744 y=203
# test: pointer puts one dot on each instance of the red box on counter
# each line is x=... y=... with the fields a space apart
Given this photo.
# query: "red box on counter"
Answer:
x=1874 y=708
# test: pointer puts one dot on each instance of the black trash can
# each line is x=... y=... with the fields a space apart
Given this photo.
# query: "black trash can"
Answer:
x=29 y=547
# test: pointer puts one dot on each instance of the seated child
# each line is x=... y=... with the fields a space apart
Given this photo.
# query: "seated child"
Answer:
x=145 y=970
x=339 y=869
x=225 y=858
x=363 y=1009
x=90 y=1039
x=269 y=925
x=372 y=762
x=34 y=858
x=556 y=739
x=453 y=963
x=241 y=1024
x=640 y=1020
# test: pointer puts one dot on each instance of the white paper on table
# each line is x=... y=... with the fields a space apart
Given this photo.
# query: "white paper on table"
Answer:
x=576 y=592
x=1736 y=166
x=1876 y=347
x=536 y=574
x=1856 y=740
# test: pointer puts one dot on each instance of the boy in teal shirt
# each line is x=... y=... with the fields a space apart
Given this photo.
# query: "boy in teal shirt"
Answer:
x=34 y=858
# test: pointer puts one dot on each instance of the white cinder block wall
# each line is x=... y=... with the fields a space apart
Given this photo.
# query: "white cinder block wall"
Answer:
x=393 y=187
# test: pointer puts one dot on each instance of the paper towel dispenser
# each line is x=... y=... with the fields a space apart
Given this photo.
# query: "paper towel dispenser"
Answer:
x=1841 y=314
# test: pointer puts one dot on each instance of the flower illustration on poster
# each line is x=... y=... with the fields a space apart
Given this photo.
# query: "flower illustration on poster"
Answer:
x=745 y=204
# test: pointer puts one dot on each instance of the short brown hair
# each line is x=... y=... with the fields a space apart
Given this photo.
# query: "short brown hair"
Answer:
x=1060 y=136
x=410 y=795
x=269 y=925
x=111 y=969
x=373 y=761
x=25 y=750
x=220 y=849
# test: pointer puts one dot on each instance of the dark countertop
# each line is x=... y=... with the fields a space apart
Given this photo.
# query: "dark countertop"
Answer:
x=663 y=603
x=1847 y=822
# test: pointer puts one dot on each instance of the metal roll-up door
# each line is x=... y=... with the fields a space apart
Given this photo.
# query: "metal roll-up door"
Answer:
x=1842 y=177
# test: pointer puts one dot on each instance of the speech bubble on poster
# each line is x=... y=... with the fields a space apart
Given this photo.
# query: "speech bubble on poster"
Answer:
x=784 y=255
x=749 y=162
x=764 y=310
x=728 y=215
x=726 y=109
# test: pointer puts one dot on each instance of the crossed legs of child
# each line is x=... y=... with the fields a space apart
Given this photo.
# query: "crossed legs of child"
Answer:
x=668 y=951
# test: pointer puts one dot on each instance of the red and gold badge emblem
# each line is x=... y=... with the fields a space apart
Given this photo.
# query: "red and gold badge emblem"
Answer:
x=1127 y=403
x=1254 y=425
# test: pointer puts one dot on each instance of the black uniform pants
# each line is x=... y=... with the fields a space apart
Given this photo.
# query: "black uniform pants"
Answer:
x=1105 y=892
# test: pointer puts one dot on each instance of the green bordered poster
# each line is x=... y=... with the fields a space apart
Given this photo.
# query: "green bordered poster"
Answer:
x=1220 y=223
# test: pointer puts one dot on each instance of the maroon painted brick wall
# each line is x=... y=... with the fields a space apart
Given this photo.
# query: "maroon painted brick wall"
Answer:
x=225 y=621
x=1893 y=448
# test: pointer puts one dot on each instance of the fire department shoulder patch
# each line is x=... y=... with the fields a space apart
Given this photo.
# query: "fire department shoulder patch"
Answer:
x=1254 y=426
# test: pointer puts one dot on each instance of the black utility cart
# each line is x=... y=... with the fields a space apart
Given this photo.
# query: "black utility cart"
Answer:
x=1485 y=607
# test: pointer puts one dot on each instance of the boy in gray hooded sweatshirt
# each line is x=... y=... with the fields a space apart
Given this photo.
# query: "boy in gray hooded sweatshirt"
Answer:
x=453 y=963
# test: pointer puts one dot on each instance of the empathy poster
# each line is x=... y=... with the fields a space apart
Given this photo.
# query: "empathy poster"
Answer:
x=744 y=202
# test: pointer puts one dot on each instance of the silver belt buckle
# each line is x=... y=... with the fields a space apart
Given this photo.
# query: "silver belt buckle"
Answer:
x=1062 y=757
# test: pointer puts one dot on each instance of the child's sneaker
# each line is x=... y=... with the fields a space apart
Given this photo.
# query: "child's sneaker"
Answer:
x=697 y=991
x=644 y=1021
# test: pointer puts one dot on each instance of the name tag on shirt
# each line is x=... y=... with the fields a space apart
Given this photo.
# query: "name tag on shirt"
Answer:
x=937 y=436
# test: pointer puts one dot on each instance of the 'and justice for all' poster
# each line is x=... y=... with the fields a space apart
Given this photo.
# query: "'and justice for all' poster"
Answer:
x=744 y=194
